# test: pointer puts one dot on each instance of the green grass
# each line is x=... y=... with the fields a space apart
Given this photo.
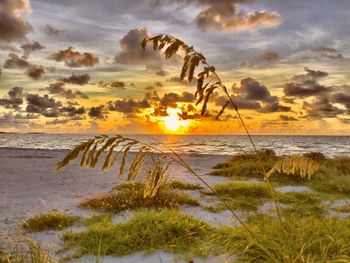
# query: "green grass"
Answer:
x=97 y=219
x=241 y=195
x=184 y=186
x=49 y=221
x=130 y=196
x=298 y=239
x=149 y=230
x=247 y=165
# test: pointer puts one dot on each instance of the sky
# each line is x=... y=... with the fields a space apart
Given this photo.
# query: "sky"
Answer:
x=77 y=66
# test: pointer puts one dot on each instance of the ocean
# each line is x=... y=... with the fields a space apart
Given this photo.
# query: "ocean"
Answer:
x=199 y=144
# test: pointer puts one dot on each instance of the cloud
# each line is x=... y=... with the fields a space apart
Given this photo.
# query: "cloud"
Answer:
x=342 y=99
x=227 y=16
x=14 y=61
x=321 y=107
x=306 y=85
x=97 y=112
x=58 y=88
x=327 y=52
x=35 y=72
x=75 y=59
x=72 y=111
x=128 y=105
x=171 y=99
x=253 y=95
x=131 y=52
x=162 y=73
x=287 y=118
x=54 y=32
x=77 y=79
x=324 y=49
x=30 y=47
x=13 y=25
x=14 y=99
x=118 y=84
x=269 y=57
x=43 y=105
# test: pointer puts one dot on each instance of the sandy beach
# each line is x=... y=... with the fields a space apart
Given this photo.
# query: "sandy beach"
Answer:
x=30 y=184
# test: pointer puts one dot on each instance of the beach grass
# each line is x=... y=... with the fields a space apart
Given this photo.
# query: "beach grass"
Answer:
x=184 y=186
x=148 y=230
x=49 y=221
x=130 y=196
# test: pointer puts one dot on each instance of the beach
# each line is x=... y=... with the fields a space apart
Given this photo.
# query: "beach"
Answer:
x=30 y=183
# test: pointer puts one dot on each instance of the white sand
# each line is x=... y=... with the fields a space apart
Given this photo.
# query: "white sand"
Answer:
x=29 y=183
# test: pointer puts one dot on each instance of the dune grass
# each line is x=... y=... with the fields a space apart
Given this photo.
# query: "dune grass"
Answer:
x=298 y=239
x=130 y=196
x=148 y=230
x=184 y=186
x=49 y=221
x=23 y=250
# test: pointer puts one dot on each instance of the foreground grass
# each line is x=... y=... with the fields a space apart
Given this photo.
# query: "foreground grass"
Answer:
x=297 y=239
x=149 y=230
x=49 y=221
x=131 y=196
x=24 y=250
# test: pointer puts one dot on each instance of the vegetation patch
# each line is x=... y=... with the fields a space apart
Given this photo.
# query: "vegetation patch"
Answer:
x=247 y=164
x=297 y=239
x=97 y=219
x=241 y=195
x=131 y=196
x=49 y=221
x=150 y=230
x=184 y=186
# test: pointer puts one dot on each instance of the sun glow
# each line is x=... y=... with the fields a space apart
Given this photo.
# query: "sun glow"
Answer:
x=173 y=123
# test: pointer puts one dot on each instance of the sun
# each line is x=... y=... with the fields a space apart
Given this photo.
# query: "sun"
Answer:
x=173 y=123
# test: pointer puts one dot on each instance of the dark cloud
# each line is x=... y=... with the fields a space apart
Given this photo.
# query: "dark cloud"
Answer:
x=287 y=118
x=307 y=84
x=77 y=79
x=57 y=122
x=269 y=57
x=171 y=99
x=54 y=32
x=14 y=61
x=35 y=72
x=43 y=105
x=30 y=47
x=131 y=52
x=162 y=73
x=321 y=107
x=158 y=84
x=72 y=111
x=13 y=25
x=14 y=99
x=342 y=99
x=118 y=84
x=189 y=112
x=75 y=59
x=128 y=105
x=253 y=95
x=97 y=112
x=58 y=88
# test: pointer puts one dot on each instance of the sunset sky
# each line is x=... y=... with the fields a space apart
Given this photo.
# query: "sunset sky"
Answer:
x=76 y=66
